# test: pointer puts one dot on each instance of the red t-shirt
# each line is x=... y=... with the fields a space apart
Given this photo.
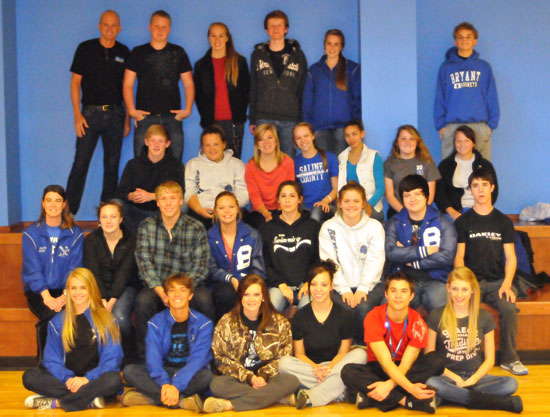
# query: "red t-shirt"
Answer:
x=222 y=108
x=416 y=333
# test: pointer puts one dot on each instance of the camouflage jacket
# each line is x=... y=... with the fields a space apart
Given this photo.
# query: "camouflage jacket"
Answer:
x=232 y=339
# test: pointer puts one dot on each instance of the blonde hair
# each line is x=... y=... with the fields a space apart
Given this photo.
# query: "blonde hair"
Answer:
x=157 y=130
x=102 y=321
x=171 y=186
x=231 y=56
x=421 y=151
x=258 y=135
x=448 y=320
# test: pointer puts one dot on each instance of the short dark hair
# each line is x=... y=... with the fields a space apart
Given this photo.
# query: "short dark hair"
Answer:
x=178 y=278
x=276 y=14
x=328 y=265
x=161 y=13
x=213 y=130
x=355 y=122
x=112 y=202
x=482 y=174
x=467 y=26
x=412 y=182
x=466 y=131
x=399 y=276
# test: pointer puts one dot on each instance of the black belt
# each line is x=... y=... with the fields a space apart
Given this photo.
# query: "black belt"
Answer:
x=102 y=107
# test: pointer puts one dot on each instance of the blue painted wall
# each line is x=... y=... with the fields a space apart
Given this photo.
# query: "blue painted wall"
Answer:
x=10 y=184
x=402 y=45
x=514 y=38
x=49 y=32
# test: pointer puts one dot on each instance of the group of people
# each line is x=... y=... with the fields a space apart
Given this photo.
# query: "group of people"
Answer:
x=283 y=235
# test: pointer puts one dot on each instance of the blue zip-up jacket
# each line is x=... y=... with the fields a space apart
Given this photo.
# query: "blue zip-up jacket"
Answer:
x=45 y=265
x=247 y=254
x=466 y=91
x=110 y=354
x=324 y=105
x=157 y=345
x=436 y=230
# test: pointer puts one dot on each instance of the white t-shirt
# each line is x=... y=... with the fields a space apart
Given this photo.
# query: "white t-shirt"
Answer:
x=460 y=180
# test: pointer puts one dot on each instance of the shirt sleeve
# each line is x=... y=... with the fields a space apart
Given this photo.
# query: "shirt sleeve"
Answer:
x=508 y=231
x=78 y=65
x=374 y=327
x=297 y=325
x=184 y=65
x=417 y=331
x=432 y=173
x=462 y=232
x=332 y=162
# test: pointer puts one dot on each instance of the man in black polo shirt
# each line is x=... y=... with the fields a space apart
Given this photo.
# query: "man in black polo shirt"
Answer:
x=158 y=66
x=97 y=71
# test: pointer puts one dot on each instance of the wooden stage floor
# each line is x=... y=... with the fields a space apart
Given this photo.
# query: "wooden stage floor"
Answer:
x=534 y=389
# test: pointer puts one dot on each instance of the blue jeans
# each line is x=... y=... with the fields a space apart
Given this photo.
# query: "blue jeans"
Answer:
x=489 y=384
x=110 y=126
x=375 y=298
x=234 y=133
x=172 y=126
x=429 y=294
x=280 y=302
x=331 y=140
x=284 y=132
x=123 y=308
x=138 y=376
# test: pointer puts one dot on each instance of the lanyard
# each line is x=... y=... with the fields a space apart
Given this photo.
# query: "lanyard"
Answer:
x=387 y=326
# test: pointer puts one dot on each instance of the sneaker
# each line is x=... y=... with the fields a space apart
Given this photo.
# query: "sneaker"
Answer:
x=98 y=402
x=516 y=367
x=427 y=406
x=362 y=401
x=192 y=403
x=288 y=400
x=301 y=399
x=214 y=405
x=133 y=397
x=38 y=401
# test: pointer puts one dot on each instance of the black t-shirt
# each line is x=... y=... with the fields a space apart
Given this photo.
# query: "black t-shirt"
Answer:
x=415 y=229
x=179 y=346
x=279 y=59
x=102 y=71
x=252 y=361
x=158 y=73
x=484 y=237
x=322 y=340
x=84 y=356
x=457 y=358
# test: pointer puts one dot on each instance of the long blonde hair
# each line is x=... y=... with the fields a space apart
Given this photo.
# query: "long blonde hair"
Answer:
x=421 y=151
x=448 y=320
x=258 y=136
x=231 y=56
x=102 y=321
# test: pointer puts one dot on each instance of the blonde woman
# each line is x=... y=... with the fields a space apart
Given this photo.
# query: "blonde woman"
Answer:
x=264 y=172
x=83 y=354
x=457 y=332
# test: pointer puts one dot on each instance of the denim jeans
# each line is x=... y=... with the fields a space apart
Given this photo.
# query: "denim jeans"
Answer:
x=42 y=382
x=110 y=126
x=284 y=132
x=234 y=133
x=172 y=126
x=280 y=302
x=138 y=376
x=375 y=298
x=488 y=384
x=331 y=140
x=507 y=318
x=429 y=294
x=123 y=308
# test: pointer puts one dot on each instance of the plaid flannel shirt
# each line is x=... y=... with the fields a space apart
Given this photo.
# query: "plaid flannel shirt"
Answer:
x=158 y=256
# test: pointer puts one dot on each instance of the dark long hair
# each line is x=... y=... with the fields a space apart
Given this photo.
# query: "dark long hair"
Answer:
x=267 y=309
x=67 y=219
x=341 y=78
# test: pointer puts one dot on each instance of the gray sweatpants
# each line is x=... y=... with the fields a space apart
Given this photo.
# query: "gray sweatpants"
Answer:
x=332 y=387
x=244 y=397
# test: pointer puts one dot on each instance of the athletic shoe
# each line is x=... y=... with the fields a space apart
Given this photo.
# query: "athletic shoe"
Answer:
x=39 y=401
x=98 y=402
x=301 y=399
x=516 y=367
x=427 y=406
x=362 y=401
x=192 y=403
x=133 y=397
x=214 y=405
